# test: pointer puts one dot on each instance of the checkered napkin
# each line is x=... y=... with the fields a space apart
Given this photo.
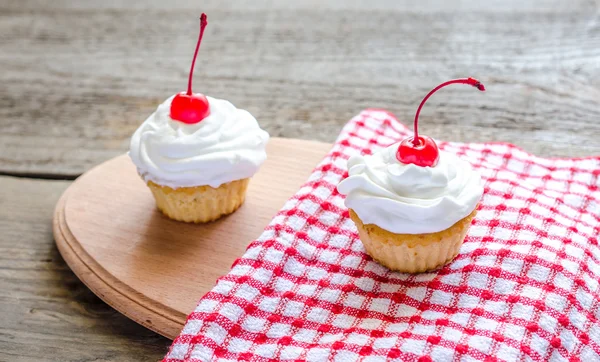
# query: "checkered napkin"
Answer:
x=523 y=288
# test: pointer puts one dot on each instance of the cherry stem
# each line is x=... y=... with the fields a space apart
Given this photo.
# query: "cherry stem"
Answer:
x=203 y=23
x=470 y=81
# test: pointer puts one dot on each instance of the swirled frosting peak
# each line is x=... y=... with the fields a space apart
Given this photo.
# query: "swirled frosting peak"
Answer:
x=410 y=199
x=225 y=146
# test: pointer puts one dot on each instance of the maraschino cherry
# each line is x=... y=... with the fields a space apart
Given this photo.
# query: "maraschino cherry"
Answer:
x=422 y=150
x=188 y=107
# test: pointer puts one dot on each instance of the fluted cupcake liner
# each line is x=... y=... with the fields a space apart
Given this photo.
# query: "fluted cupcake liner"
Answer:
x=199 y=204
x=412 y=253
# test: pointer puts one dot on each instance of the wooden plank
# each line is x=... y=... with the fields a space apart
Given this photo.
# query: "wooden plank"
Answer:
x=47 y=314
x=79 y=77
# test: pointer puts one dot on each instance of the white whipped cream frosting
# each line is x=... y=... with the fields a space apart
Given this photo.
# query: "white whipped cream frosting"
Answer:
x=225 y=146
x=409 y=199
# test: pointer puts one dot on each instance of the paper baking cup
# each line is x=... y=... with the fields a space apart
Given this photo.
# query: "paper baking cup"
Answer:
x=412 y=253
x=199 y=204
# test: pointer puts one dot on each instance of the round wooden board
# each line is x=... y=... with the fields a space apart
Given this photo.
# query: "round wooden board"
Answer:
x=152 y=269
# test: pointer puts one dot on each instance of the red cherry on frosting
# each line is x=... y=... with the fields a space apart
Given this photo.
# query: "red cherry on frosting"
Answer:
x=422 y=150
x=424 y=153
x=188 y=107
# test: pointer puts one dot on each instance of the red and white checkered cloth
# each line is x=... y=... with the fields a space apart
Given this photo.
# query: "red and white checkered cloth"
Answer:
x=523 y=288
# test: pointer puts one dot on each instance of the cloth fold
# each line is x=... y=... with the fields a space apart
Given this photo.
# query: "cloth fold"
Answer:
x=525 y=285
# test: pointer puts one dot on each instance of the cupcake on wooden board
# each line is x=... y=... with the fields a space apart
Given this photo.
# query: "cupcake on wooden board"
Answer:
x=412 y=204
x=197 y=153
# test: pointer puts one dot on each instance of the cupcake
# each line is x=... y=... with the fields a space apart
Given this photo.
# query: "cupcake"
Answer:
x=197 y=154
x=412 y=203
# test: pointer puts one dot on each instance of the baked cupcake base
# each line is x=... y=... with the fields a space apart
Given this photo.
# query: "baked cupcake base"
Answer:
x=412 y=253
x=199 y=204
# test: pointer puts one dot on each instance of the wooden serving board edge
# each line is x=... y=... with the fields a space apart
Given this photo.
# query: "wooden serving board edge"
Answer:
x=114 y=293
x=150 y=313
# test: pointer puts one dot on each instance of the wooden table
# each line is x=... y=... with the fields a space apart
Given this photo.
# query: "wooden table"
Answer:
x=77 y=78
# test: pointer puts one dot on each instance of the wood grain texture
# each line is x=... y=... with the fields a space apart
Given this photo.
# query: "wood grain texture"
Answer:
x=151 y=268
x=79 y=77
x=46 y=313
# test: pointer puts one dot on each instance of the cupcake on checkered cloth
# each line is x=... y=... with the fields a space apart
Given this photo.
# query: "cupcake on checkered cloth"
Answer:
x=411 y=203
